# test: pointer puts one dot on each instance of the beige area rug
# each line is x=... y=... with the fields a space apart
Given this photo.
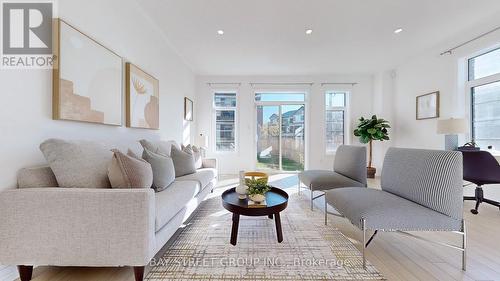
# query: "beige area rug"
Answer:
x=309 y=251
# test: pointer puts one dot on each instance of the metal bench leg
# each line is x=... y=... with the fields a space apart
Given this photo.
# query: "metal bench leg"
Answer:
x=363 y=228
x=326 y=211
x=298 y=185
x=311 y=198
x=464 y=246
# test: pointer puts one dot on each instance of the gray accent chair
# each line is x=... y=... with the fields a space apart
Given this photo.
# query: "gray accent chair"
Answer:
x=349 y=169
x=421 y=191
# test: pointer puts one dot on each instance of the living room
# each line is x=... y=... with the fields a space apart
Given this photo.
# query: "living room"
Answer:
x=250 y=140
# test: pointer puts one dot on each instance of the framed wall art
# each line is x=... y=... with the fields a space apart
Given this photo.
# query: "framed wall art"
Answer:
x=427 y=106
x=142 y=98
x=188 y=109
x=87 y=78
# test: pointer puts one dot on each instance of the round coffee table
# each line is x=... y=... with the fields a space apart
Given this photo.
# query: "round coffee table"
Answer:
x=276 y=200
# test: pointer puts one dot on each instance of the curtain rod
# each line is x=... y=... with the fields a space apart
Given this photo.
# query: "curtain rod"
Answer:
x=450 y=51
x=339 y=83
x=223 y=83
x=284 y=83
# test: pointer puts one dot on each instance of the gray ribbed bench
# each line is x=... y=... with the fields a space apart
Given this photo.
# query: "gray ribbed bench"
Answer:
x=421 y=191
x=349 y=169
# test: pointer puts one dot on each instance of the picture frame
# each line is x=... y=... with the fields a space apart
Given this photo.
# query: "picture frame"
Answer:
x=142 y=96
x=188 y=109
x=427 y=106
x=87 y=78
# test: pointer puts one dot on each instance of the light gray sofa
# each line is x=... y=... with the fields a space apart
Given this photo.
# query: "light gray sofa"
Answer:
x=51 y=225
x=349 y=169
x=421 y=191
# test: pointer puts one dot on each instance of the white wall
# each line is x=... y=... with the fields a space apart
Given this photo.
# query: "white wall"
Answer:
x=430 y=72
x=27 y=95
x=361 y=101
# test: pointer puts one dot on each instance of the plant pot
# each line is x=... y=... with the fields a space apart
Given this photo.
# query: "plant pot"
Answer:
x=257 y=198
x=370 y=172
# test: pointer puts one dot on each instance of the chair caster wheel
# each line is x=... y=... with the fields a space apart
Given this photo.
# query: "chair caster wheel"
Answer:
x=475 y=212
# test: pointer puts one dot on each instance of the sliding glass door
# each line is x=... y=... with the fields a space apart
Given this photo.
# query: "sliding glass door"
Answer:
x=281 y=137
x=268 y=137
x=292 y=137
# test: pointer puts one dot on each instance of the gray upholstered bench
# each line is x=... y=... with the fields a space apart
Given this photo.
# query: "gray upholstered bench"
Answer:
x=421 y=191
x=349 y=169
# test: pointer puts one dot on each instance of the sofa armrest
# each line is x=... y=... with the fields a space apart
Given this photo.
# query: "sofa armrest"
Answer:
x=209 y=163
x=77 y=227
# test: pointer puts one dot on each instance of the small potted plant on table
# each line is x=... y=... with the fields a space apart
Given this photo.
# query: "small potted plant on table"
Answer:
x=257 y=189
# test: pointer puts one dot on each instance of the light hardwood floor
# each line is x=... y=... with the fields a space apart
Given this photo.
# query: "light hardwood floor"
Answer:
x=396 y=256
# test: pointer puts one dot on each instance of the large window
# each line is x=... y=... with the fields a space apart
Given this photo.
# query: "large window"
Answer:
x=225 y=122
x=484 y=65
x=336 y=107
x=484 y=82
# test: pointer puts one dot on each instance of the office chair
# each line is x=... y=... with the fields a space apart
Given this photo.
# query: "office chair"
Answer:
x=480 y=168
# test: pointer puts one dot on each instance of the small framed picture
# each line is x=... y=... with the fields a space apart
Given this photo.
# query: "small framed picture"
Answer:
x=188 y=109
x=428 y=106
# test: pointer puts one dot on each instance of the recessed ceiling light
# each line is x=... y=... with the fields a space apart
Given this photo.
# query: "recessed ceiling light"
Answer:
x=220 y=32
x=309 y=31
x=398 y=30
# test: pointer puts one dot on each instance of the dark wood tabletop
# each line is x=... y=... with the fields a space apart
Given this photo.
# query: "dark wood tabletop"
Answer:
x=276 y=201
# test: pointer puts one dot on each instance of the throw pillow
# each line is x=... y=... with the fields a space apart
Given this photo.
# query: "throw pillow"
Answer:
x=160 y=147
x=195 y=151
x=78 y=164
x=183 y=162
x=127 y=171
x=163 y=169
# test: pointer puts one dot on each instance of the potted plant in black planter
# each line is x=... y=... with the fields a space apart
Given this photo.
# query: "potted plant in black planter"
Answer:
x=369 y=130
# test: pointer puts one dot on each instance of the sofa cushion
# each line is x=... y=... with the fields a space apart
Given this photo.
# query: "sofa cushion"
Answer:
x=127 y=171
x=323 y=180
x=386 y=211
x=170 y=201
x=163 y=169
x=41 y=176
x=203 y=176
x=159 y=147
x=79 y=164
x=183 y=162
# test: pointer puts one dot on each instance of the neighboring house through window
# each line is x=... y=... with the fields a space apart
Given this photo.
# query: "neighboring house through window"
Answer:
x=335 y=119
x=225 y=121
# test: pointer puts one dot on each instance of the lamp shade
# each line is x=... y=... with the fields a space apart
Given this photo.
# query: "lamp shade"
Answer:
x=452 y=126
x=201 y=140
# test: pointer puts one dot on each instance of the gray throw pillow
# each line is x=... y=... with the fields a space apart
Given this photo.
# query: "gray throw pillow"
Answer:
x=183 y=162
x=78 y=164
x=159 y=147
x=163 y=169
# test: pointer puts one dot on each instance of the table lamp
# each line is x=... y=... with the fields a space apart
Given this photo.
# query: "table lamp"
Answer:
x=451 y=128
x=202 y=142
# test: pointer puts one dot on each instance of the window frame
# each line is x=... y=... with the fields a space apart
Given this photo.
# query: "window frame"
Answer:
x=214 y=121
x=305 y=103
x=347 y=119
x=471 y=84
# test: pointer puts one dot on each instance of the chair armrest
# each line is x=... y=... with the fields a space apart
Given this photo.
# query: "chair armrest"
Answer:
x=77 y=226
x=209 y=163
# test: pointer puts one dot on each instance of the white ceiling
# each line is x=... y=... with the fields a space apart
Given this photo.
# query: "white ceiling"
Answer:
x=267 y=37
